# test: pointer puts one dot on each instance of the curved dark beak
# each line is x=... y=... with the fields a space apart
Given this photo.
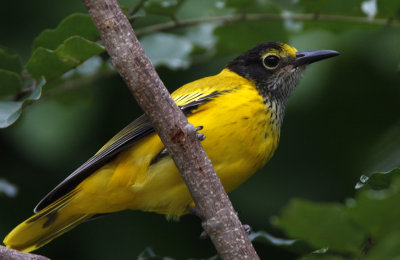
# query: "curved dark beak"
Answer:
x=308 y=57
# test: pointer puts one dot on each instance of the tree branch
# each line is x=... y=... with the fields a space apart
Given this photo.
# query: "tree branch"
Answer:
x=264 y=17
x=12 y=254
x=127 y=56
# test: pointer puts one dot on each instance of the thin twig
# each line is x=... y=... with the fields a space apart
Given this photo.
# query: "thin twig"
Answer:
x=136 y=8
x=265 y=17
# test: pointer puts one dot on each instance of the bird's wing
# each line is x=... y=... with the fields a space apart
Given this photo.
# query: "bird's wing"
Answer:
x=131 y=134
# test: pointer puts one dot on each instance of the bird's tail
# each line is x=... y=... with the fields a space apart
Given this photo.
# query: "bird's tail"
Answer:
x=49 y=223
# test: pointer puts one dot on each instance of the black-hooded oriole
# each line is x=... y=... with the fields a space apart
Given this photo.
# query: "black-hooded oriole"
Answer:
x=241 y=110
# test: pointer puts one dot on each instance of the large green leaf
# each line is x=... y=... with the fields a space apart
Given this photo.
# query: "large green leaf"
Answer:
x=71 y=53
x=10 y=60
x=321 y=225
x=376 y=210
x=10 y=83
x=73 y=25
x=11 y=110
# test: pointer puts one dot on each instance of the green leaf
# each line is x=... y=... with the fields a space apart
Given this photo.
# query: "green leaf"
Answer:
x=162 y=7
x=10 y=83
x=10 y=111
x=10 y=60
x=377 y=211
x=167 y=49
x=71 y=53
x=321 y=225
x=378 y=180
x=73 y=25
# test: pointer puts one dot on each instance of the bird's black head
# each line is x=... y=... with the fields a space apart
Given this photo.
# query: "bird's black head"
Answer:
x=275 y=67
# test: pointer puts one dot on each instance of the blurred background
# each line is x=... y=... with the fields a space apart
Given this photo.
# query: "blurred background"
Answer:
x=342 y=121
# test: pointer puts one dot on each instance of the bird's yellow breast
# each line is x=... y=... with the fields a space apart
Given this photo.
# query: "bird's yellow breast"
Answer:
x=240 y=138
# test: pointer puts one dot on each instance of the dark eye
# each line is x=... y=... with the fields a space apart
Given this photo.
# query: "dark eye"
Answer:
x=271 y=61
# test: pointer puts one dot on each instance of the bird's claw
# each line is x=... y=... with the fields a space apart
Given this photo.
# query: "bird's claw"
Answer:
x=200 y=136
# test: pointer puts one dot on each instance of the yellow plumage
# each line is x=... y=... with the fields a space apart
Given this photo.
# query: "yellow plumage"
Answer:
x=241 y=126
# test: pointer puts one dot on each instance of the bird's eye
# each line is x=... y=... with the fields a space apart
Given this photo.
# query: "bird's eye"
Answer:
x=271 y=61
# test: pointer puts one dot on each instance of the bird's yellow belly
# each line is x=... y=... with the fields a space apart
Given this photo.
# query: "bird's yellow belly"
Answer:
x=237 y=145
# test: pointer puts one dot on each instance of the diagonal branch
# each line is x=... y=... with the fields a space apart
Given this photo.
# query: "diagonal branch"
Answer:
x=12 y=254
x=127 y=56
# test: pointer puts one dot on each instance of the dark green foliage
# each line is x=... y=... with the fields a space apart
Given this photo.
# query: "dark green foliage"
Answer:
x=72 y=42
x=342 y=121
x=73 y=25
x=68 y=55
x=10 y=60
x=11 y=83
x=366 y=227
x=11 y=110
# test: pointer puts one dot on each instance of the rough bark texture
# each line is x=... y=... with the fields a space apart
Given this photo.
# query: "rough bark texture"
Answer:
x=11 y=254
x=127 y=56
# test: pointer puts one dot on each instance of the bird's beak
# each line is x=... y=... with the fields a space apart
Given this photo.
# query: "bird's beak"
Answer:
x=308 y=57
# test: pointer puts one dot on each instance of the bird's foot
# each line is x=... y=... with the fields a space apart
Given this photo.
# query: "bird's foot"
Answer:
x=200 y=136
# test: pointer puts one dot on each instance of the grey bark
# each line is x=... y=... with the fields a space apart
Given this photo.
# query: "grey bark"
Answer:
x=11 y=254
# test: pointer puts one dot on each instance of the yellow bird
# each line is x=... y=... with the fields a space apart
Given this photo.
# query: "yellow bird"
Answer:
x=241 y=110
